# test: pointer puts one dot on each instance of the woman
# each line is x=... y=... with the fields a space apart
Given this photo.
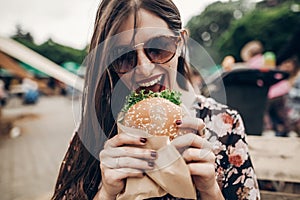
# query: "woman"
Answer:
x=146 y=66
x=278 y=99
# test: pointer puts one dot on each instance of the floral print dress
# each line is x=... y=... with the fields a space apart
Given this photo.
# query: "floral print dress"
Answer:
x=225 y=130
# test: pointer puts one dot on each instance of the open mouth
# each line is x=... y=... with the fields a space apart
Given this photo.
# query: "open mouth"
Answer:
x=154 y=84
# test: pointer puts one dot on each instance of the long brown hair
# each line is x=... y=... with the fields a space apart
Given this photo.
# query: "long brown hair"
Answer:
x=80 y=175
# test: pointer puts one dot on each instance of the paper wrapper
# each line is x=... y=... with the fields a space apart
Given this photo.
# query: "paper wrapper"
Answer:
x=169 y=176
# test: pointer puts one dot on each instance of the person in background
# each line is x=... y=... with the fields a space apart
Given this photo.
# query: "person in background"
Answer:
x=3 y=94
x=252 y=54
x=226 y=173
x=278 y=109
x=30 y=89
x=293 y=102
x=228 y=63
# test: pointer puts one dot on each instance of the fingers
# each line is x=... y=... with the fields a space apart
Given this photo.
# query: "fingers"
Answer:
x=191 y=140
x=128 y=157
x=191 y=123
x=128 y=151
x=125 y=138
x=112 y=176
x=123 y=151
x=123 y=156
x=203 y=175
x=128 y=162
x=202 y=169
x=198 y=155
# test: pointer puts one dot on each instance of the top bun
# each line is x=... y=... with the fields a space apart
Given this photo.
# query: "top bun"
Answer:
x=155 y=115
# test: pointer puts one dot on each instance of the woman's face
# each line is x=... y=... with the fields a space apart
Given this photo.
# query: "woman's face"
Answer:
x=148 y=75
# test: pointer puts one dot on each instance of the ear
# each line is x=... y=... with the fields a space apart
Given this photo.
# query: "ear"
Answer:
x=183 y=42
x=184 y=33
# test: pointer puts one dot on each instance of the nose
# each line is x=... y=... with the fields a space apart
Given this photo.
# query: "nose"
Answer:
x=144 y=65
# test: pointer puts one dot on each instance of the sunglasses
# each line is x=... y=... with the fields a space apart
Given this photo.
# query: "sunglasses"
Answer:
x=159 y=50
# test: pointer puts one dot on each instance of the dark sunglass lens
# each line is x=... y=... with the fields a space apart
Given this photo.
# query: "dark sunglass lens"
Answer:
x=125 y=63
x=160 y=49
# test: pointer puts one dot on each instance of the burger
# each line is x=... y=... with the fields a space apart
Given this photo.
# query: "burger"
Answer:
x=153 y=112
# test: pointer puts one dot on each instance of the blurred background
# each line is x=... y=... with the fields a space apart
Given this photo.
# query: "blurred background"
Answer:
x=255 y=46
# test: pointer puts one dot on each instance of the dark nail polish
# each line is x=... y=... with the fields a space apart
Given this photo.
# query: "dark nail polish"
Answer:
x=143 y=140
x=153 y=154
x=178 y=122
x=151 y=164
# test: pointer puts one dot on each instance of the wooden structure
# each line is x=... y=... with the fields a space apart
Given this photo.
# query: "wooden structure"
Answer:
x=11 y=49
x=276 y=159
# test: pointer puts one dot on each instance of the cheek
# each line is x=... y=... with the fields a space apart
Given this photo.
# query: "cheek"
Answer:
x=173 y=63
x=171 y=69
x=127 y=80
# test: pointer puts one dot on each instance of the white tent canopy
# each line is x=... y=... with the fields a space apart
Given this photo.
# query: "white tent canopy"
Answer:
x=28 y=56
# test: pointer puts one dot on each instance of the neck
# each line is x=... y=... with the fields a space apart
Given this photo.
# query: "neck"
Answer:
x=188 y=98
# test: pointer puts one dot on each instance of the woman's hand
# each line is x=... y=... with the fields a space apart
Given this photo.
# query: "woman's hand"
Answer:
x=197 y=152
x=123 y=157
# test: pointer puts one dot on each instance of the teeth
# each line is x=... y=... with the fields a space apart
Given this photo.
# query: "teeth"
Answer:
x=153 y=82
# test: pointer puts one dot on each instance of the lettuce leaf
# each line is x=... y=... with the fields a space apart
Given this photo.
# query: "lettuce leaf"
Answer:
x=133 y=98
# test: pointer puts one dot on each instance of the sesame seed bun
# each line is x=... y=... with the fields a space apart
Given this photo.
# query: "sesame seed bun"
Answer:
x=155 y=115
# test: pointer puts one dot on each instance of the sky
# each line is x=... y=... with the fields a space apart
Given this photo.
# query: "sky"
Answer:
x=69 y=22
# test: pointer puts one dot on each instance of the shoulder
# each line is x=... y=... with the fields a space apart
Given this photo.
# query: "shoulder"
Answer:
x=225 y=130
x=220 y=119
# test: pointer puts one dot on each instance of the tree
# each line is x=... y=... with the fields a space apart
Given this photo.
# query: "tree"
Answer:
x=55 y=52
x=273 y=26
x=20 y=33
x=60 y=53
x=223 y=28
x=207 y=27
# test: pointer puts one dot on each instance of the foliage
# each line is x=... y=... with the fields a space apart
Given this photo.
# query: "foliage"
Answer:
x=133 y=98
x=272 y=26
x=21 y=34
x=207 y=27
x=60 y=54
x=55 y=52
